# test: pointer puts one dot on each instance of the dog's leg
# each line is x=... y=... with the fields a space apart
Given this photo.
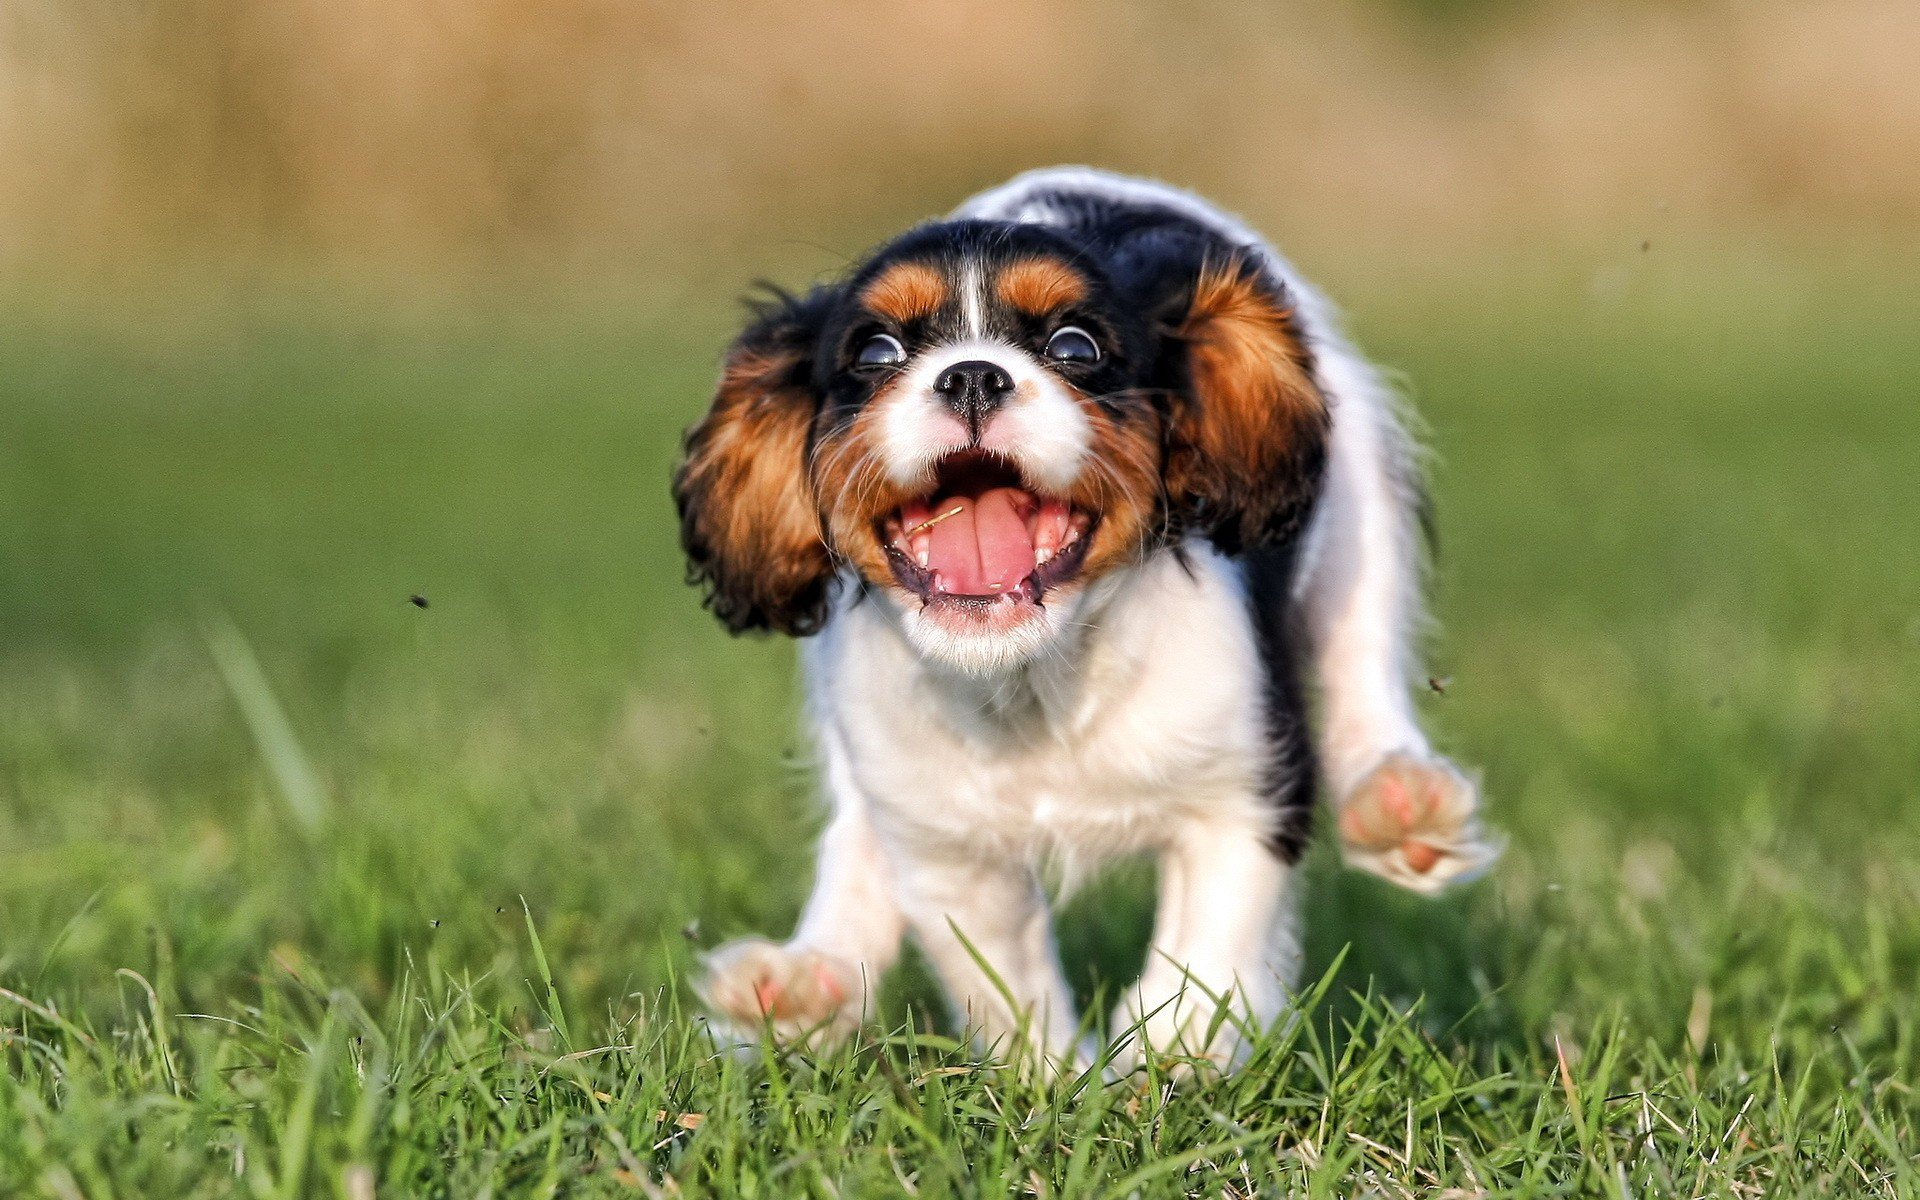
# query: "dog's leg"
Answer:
x=1361 y=591
x=967 y=912
x=1225 y=937
x=826 y=977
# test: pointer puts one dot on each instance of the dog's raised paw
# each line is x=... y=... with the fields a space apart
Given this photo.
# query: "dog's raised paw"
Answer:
x=795 y=990
x=1416 y=822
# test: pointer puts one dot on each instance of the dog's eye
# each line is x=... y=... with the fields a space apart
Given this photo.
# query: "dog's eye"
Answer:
x=881 y=350
x=1072 y=344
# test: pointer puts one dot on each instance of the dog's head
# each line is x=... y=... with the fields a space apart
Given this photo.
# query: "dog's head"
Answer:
x=984 y=418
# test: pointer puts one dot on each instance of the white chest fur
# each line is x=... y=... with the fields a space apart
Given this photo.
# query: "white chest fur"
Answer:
x=1153 y=717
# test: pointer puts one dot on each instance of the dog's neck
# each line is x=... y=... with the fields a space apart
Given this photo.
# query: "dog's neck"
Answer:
x=1058 y=693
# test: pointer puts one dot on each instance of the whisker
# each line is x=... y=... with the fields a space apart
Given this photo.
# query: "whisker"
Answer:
x=1129 y=393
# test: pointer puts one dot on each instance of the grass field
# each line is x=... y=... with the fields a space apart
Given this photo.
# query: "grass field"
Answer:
x=431 y=934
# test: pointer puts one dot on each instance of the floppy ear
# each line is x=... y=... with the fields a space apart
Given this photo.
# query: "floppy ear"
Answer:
x=1247 y=438
x=748 y=520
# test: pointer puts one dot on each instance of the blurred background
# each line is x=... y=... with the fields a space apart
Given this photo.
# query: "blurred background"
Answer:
x=441 y=144
x=310 y=309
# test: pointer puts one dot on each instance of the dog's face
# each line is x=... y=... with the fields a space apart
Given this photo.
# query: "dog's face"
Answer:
x=983 y=419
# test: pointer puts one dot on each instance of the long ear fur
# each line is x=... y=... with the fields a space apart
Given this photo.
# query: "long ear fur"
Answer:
x=748 y=520
x=1246 y=445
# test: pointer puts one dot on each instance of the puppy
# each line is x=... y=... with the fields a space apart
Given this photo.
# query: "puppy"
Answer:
x=1065 y=492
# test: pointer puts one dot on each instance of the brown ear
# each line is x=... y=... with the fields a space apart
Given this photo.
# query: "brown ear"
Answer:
x=1247 y=441
x=748 y=521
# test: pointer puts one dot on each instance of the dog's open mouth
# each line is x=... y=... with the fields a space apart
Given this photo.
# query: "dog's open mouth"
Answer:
x=983 y=538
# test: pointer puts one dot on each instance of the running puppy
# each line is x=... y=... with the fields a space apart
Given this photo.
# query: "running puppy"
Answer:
x=1066 y=491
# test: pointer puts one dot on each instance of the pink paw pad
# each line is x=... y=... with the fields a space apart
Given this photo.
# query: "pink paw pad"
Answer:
x=795 y=990
x=1415 y=822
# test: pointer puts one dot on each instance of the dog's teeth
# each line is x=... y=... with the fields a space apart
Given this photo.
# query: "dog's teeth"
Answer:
x=922 y=557
x=1048 y=526
x=939 y=582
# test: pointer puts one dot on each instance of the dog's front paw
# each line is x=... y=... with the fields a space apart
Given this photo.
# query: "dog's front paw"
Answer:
x=794 y=990
x=1416 y=822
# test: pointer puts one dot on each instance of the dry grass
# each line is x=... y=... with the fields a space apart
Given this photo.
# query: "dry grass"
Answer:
x=594 y=137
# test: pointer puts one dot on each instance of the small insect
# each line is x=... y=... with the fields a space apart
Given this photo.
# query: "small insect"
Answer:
x=1645 y=246
x=434 y=924
x=1439 y=683
x=930 y=522
x=691 y=930
x=417 y=600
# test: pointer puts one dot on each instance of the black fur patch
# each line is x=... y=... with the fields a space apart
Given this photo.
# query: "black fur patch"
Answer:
x=1292 y=770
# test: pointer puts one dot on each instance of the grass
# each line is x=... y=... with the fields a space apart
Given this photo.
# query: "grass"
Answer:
x=308 y=890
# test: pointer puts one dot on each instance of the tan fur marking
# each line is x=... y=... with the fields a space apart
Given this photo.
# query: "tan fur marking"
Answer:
x=749 y=508
x=1041 y=285
x=1256 y=419
x=1247 y=363
x=854 y=487
x=1122 y=484
x=906 y=291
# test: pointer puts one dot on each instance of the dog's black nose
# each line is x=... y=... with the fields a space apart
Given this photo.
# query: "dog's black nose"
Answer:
x=973 y=390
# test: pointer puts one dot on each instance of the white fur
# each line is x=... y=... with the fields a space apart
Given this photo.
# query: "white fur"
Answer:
x=971 y=301
x=1144 y=733
x=963 y=648
x=1129 y=718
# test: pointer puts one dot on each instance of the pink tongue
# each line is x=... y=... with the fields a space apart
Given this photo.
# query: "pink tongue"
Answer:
x=983 y=550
